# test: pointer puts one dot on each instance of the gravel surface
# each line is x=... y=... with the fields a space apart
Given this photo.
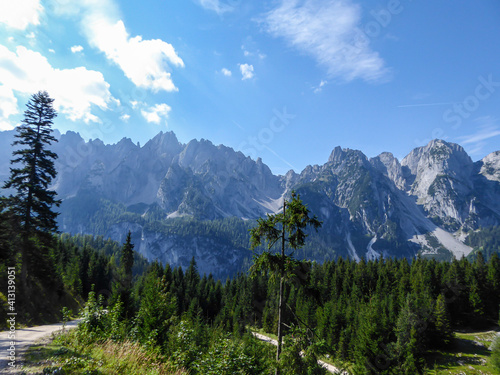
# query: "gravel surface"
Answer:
x=24 y=338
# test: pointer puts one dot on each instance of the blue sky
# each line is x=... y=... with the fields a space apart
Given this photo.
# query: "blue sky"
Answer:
x=284 y=80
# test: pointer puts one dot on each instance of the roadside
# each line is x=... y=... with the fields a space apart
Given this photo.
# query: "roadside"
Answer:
x=24 y=338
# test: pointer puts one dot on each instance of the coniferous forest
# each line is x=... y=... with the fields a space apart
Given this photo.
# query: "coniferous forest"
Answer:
x=387 y=316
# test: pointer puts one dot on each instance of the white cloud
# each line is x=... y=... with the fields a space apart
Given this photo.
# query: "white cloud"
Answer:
x=125 y=117
x=156 y=113
x=216 y=6
x=51 y=50
x=256 y=52
x=246 y=71
x=145 y=62
x=226 y=72
x=75 y=90
x=329 y=31
x=320 y=86
x=31 y=35
x=8 y=107
x=19 y=14
x=76 y=49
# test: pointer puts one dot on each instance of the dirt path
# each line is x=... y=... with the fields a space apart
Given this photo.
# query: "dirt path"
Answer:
x=24 y=338
x=329 y=367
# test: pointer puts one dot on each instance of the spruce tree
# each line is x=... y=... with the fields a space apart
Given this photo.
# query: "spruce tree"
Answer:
x=442 y=323
x=33 y=168
x=31 y=174
x=287 y=227
x=122 y=287
x=127 y=259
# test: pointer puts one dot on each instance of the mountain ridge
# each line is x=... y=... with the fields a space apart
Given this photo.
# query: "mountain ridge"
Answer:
x=370 y=207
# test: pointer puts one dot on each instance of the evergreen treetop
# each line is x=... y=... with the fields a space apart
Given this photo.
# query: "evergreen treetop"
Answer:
x=33 y=168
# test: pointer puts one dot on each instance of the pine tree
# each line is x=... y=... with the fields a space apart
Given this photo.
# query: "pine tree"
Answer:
x=286 y=227
x=157 y=310
x=34 y=169
x=127 y=259
x=31 y=175
x=122 y=287
x=442 y=322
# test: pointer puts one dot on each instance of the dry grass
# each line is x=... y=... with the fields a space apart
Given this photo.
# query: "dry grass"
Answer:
x=131 y=358
x=106 y=358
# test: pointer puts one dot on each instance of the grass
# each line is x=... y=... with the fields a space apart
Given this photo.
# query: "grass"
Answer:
x=65 y=356
x=469 y=355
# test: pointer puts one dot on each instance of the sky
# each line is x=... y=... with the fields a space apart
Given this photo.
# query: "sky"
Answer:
x=284 y=80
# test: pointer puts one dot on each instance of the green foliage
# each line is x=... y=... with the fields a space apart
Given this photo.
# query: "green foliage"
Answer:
x=127 y=258
x=122 y=287
x=495 y=353
x=486 y=240
x=292 y=222
x=33 y=168
x=225 y=356
x=29 y=216
x=287 y=227
x=185 y=342
x=157 y=310
x=382 y=317
x=301 y=351
x=442 y=322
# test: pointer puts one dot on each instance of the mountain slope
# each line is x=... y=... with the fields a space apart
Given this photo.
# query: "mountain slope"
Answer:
x=166 y=192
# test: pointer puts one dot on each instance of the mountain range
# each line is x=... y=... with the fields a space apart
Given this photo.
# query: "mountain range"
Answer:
x=199 y=199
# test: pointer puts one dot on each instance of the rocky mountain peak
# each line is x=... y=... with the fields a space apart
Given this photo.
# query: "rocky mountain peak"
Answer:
x=490 y=167
x=437 y=159
x=163 y=143
x=364 y=203
x=337 y=155
x=390 y=167
x=341 y=156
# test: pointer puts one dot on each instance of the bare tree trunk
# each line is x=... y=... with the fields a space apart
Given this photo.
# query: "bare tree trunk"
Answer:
x=280 y=306
x=280 y=333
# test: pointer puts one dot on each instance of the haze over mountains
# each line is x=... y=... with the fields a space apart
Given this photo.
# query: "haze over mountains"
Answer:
x=198 y=199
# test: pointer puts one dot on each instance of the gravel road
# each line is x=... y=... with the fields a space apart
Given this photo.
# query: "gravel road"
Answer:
x=24 y=338
x=327 y=366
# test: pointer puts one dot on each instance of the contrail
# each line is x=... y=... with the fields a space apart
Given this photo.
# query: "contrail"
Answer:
x=238 y=125
x=279 y=157
x=422 y=105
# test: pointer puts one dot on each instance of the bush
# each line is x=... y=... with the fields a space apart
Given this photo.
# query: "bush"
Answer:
x=300 y=353
x=225 y=357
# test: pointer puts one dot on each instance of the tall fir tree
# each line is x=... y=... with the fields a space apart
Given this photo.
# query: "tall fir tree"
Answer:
x=31 y=174
x=287 y=227
x=122 y=287
x=442 y=323
x=127 y=259
x=33 y=168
